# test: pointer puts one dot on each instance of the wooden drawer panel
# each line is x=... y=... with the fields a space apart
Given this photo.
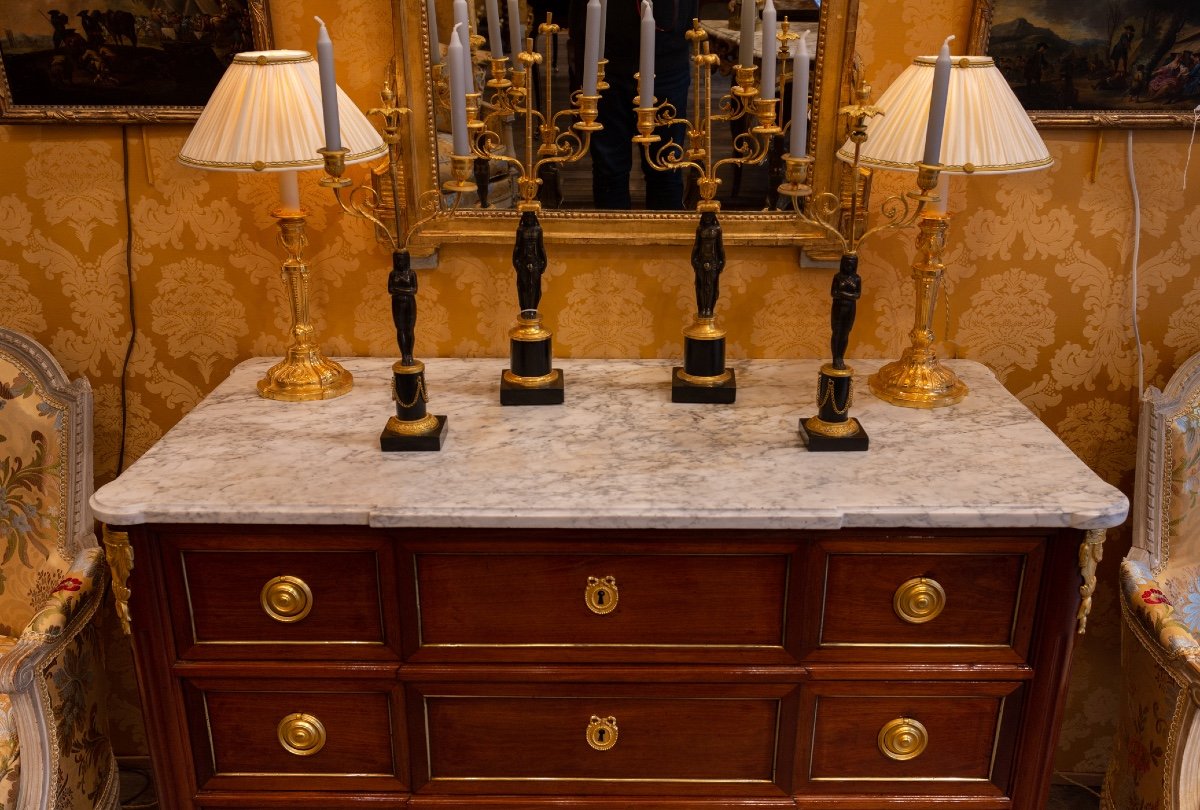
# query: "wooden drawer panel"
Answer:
x=306 y=595
x=238 y=731
x=880 y=600
x=530 y=739
x=530 y=605
x=949 y=737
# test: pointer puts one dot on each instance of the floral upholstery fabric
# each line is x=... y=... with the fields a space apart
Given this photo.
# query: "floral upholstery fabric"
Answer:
x=10 y=753
x=33 y=483
x=52 y=582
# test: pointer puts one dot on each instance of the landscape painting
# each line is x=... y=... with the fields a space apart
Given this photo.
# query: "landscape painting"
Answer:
x=1096 y=62
x=99 y=61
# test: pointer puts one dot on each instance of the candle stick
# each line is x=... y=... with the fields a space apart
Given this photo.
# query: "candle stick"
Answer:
x=435 y=46
x=591 y=47
x=461 y=15
x=746 y=43
x=798 y=145
x=937 y=105
x=767 y=85
x=603 y=24
x=646 y=57
x=458 y=93
x=289 y=190
x=495 y=38
x=515 y=36
x=333 y=129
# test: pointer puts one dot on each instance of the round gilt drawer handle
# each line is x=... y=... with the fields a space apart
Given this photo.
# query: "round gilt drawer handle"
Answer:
x=301 y=734
x=602 y=732
x=601 y=594
x=286 y=599
x=919 y=600
x=903 y=738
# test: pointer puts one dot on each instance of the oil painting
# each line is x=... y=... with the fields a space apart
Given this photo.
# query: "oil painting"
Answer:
x=120 y=61
x=1106 y=63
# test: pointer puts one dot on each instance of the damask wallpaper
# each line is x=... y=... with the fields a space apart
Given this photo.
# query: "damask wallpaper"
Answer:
x=103 y=235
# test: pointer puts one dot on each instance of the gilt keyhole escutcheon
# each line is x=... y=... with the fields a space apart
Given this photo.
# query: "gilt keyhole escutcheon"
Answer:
x=602 y=732
x=601 y=594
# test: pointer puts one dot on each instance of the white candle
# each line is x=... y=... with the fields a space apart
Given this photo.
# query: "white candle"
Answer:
x=798 y=145
x=458 y=93
x=333 y=128
x=515 y=37
x=461 y=18
x=746 y=43
x=767 y=85
x=591 y=47
x=289 y=190
x=603 y=24
x=646 y=57
x=937 y=105
x=495 y=38
x=435 y=47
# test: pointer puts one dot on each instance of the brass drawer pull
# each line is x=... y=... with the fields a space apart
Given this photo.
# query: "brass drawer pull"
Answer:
x=301 y=734
x=903 y=738
x=602 y=732
x=286 y=599
x=601 y=595
x=919 y=600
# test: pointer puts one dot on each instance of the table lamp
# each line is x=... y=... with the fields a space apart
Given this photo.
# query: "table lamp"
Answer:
x=986 y=131
x=265 y=115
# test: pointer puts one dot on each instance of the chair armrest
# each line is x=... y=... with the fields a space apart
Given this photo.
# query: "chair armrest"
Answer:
x=1153 y=610
x=84 y=582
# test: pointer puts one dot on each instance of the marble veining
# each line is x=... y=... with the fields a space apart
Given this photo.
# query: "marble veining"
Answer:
x=618 y=454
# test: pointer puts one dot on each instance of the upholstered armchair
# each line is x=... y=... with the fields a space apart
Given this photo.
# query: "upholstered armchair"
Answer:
x=1156 y=756
x=54 y=749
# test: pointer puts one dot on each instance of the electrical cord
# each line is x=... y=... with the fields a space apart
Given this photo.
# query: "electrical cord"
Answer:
x=132 y=315
x=1137 y=243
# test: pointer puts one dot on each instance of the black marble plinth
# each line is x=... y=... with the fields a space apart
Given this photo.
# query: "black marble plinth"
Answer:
x=514 y=392
x=391 y=441
x=703 y=357
x=530 y=358
x=684 y=390
x=410 y=392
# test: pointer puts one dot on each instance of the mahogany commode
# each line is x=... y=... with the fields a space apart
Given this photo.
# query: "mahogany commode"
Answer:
x=620 y=602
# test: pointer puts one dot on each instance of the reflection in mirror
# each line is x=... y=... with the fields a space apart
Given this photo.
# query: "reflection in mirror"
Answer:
x=584 y=201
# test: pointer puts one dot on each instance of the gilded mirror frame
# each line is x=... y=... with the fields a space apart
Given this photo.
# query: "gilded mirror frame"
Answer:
x=834 y=64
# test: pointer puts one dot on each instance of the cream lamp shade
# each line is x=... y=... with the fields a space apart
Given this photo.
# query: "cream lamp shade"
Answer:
x=265 y=115
x=986 y=131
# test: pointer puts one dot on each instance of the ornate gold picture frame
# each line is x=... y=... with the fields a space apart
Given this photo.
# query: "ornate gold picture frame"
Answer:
x=1079 y=63
x=105 y=63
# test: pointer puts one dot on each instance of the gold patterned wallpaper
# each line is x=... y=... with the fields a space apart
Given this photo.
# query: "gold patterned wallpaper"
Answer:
x=1039 y=287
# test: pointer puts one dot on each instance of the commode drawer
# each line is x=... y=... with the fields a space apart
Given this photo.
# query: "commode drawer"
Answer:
x=296 y=735
x=278 y=596
x=600 y=739
x=909 y=738
x=961 y=600
x=567 y=607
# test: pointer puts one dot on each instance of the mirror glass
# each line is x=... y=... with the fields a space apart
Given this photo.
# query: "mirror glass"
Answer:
x=611 y=183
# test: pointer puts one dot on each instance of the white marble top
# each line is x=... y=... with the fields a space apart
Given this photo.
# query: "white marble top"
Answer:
x=619 y=453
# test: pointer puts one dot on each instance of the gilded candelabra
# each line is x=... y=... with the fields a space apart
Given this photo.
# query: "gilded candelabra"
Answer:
x=531 y=378
x=703 y=377
x=412 y=427
x=832 y=428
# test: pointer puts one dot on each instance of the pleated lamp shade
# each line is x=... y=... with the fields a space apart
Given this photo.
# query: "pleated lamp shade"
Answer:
x=265 y=115
x=987 y=130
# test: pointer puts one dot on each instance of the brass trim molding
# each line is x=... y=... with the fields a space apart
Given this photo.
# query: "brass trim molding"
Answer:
x=120 y=565
x=1091 y=550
